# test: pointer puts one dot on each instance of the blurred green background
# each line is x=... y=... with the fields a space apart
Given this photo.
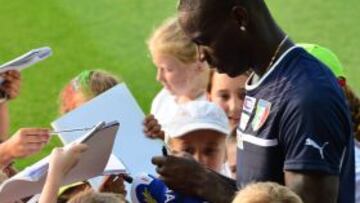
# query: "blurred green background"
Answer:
x=111 y=34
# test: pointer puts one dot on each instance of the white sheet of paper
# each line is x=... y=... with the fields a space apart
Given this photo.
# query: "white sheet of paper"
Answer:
x=114 y=166
x=131 y=146
x=91 y=163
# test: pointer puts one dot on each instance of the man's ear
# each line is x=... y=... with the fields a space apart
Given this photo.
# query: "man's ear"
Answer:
x=240 y=15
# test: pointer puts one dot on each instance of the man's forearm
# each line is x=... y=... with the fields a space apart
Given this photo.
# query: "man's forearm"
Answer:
x=304 y=184
x=218 y=189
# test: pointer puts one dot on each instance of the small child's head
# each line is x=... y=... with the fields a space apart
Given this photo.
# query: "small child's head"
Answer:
x=90 y=196
x=268 y=192
x=176 y=60
x=199 y=128
x=87 y=85
x=69 y=191
x=228 y=93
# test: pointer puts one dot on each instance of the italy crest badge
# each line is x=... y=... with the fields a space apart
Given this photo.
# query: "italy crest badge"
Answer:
x=261 y=114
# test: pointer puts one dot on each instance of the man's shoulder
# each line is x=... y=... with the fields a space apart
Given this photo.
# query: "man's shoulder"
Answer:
x=308 y=79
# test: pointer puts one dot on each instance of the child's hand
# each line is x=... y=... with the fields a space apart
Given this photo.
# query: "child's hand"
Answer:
x=113 y=184
x=152 y=128
x=27 y=141
x=11 y=85
x=62 y=160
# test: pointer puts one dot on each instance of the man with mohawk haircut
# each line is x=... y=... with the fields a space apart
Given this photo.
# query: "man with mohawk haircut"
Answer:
x=291 y=98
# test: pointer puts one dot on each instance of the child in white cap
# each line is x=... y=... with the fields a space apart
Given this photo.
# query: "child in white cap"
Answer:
x=199 y=128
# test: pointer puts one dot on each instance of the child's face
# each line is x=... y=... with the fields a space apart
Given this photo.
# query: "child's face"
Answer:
x=205 y=146
x=72 y=101
x=176 y=76
x=229 y=94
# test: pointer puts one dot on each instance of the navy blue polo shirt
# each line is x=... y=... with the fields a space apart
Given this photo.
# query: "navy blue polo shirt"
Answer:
x=295 y=118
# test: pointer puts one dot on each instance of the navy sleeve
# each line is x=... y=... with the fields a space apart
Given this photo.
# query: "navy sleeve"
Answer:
x=314 y=130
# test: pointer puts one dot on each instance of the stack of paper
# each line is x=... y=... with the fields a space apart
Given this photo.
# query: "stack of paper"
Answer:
x=91 y=163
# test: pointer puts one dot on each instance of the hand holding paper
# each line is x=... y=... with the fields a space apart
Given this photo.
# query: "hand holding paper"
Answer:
x=62 y=160
x=10 y=88
x=114 y=184
x=26 y=141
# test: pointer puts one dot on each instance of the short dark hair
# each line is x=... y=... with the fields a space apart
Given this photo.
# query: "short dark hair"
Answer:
x=189 y=5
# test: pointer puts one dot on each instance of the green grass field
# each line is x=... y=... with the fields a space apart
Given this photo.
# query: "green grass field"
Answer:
x=111 y=34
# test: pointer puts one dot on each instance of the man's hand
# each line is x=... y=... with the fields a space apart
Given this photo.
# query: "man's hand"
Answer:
x=187 y=176
x=62 y=160
x=11 y=85
x=26 y=142
x=152 y=128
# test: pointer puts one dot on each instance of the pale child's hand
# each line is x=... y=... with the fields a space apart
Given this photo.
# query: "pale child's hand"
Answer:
x=27 y=141
x=62 y=160
x=113 y=184
x=152 y=128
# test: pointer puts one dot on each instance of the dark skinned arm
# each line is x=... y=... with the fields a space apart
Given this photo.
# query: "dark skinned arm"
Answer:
x=190 y=178
x=313 y=187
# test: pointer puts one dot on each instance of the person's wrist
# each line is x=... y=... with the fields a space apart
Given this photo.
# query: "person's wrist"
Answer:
x=3 y=97
x=56 y=168
x=218 y=192
x=3 y=101
x=55 y=174
x=7 y=155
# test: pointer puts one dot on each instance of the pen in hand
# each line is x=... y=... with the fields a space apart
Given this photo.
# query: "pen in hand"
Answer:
x=164 y=151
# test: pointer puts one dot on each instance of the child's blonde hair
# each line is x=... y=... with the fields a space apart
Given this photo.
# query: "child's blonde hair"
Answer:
x=90 y=196
x=90 y=83
x=268 y=192
x=169 y=38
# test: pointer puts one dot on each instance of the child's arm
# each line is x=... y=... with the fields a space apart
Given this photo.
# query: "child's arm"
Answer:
x=4 y=121
x=61 y=162
x=25 y=142
x=9 y=89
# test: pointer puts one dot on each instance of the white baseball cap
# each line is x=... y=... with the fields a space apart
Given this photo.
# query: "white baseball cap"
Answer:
x=196 y=115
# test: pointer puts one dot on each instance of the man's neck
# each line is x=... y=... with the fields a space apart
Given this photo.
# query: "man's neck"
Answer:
x=260 y=71
x=268 y=37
